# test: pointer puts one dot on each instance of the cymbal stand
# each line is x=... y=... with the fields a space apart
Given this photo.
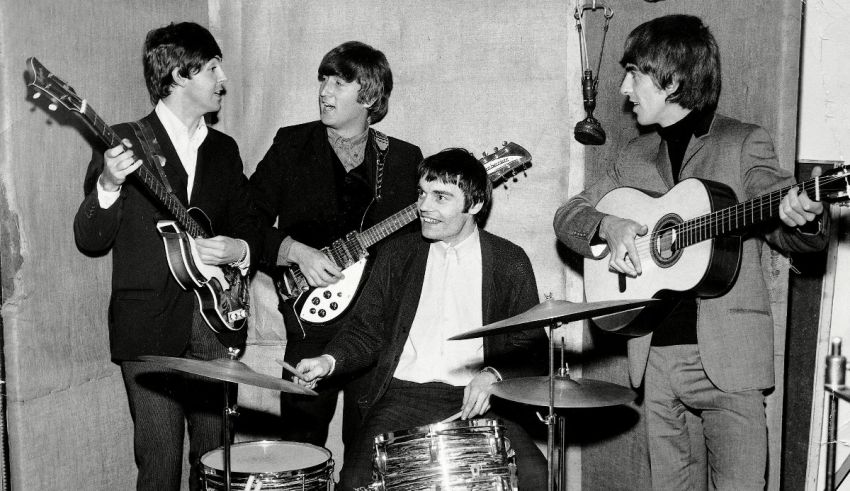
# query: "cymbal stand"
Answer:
x=228 y=412
x=553 y=421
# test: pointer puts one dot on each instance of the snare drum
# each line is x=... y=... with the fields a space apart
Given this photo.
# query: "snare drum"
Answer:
x=270 y=465
x=461 y=455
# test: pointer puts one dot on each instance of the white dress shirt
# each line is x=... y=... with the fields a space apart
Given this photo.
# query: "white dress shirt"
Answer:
x=450 y=304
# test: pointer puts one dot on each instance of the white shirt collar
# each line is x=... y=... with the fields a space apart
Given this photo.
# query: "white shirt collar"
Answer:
x=177 y=131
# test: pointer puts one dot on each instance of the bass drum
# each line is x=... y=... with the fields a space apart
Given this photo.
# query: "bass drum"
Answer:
x=270 y=465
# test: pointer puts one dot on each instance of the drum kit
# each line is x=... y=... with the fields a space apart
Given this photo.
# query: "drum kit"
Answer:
x=471 y=455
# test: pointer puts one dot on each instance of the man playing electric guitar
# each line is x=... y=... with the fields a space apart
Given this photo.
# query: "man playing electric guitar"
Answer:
x=150 y=314
x=713 y=357
x=320 y=181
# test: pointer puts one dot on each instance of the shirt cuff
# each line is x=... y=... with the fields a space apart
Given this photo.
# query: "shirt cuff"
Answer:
x=812 y=228
x=283 y=251
x=494 y=372
x=243 y=263
x=106 y=198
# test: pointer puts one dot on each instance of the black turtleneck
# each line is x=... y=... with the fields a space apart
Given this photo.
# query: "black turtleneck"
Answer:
x=680 y=326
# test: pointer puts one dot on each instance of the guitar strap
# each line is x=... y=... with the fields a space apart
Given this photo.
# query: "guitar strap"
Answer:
x=150 y=146
x=382 y=147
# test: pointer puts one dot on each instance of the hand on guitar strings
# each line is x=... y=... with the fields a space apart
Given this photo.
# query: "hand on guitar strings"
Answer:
x=317 y=268
x=118 y=163
x=620 y=235
x=797 y=209
x=219 y=250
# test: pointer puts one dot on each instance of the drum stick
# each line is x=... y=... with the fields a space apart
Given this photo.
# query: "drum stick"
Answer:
x=452 y=417
x=291 y=369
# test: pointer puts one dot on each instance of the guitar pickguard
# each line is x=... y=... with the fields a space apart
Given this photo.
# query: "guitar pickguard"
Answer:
x=323 y=305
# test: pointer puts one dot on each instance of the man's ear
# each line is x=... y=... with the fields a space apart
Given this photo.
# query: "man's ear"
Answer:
x=474 y=209
x=178 y=79
x=672 y=87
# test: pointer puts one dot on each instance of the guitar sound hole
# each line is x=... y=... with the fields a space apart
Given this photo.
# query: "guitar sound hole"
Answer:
x=664 y=241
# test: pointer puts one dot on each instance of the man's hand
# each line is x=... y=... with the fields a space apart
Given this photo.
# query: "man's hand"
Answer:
x=476 y=395
x=312 y=370
x=317 y=268
x=219 y=250
x=118 y=164
x=797 y=209
x=620 y=235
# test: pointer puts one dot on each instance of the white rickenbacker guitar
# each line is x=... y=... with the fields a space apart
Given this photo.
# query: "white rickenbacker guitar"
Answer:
x=694 y=242
x=222 y=291
x=319 y=306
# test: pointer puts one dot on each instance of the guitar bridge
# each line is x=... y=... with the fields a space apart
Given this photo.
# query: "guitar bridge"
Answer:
x=237 y=315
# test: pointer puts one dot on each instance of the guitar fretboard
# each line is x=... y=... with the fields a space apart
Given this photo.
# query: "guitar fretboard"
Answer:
x=738 y=217
x=144 y=173
x=382 y=230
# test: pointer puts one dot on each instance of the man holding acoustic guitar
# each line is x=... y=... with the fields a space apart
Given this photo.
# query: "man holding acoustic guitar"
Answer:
x=711 y=353
x=160 y=165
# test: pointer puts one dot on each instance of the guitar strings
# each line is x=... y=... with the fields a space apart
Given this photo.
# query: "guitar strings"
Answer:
x=700 y=228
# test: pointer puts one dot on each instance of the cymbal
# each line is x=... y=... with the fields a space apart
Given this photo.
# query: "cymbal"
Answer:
x=229 y=371
x=551 y=311
x=569 y=392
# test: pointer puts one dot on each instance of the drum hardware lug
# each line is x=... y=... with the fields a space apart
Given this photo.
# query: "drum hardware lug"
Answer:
x=233 y=411
x=548 y=420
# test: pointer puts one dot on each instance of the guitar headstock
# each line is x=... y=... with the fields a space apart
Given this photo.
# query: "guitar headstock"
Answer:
x=834 y=185
x=59 y=92
x=506 y=161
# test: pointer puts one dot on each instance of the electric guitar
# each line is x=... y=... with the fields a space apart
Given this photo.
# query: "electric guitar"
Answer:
x=222 y=291
x=318 y=306
x=694 y=242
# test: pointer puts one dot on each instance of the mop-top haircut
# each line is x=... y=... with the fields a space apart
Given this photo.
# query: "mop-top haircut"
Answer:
x=355 y=61
x=677 y=48
x=187 y=46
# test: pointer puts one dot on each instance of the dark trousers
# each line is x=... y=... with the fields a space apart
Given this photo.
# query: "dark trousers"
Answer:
x=306 y=418
x=164 y=403
x=408 y=405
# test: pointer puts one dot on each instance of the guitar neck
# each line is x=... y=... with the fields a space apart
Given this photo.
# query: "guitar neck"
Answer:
x=739 y=217
x=144 y=174
x=498 y=167
x=387 y=226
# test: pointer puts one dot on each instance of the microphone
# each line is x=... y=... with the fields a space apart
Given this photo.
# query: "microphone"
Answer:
x=589 y=130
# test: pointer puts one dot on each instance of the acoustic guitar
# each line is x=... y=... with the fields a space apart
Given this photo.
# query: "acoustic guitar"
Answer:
x=694 y=242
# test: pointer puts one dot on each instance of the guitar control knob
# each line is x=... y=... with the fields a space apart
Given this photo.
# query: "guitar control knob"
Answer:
x=313 y=311
x=315 y=301
x=334 y=305
x=322 y=313
x=326 y=294
x=339 y=294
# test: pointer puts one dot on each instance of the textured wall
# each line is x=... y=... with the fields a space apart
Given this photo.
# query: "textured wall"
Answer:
x=69 y=427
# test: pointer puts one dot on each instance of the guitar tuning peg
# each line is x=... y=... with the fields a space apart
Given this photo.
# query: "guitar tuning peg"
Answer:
x=36 y=95
x=495 y=149
x=505 y=143
x=52 y=107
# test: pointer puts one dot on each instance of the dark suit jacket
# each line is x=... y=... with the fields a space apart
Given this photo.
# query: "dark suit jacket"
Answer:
x=380 y=323
x=298 y=184
x=734 y=331
x=149 y=314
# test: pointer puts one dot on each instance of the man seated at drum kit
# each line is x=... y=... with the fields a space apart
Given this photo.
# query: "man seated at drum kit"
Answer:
x=424 y=288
